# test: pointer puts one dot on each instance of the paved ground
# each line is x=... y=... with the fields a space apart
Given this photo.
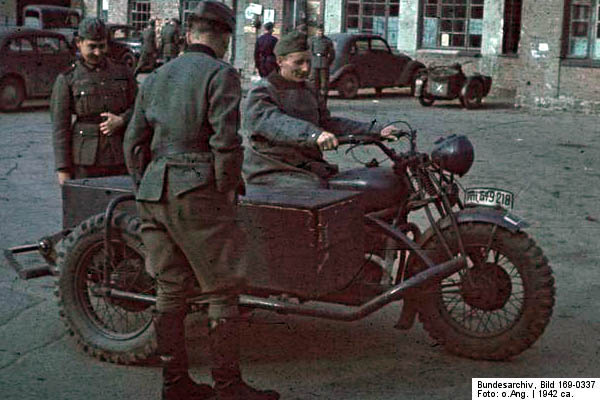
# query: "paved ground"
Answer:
x=552 y=162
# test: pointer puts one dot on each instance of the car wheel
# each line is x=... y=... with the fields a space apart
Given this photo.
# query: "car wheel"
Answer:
x=129 y=60
x=473 y=95
x=12 y=93
x=348 y=86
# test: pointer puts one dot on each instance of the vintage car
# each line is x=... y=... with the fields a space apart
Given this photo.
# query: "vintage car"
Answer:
x=64 y=20
x=30 y=60
x=366 y=61
x=125 y=44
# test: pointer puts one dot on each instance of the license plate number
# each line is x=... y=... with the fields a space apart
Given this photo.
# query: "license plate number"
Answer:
x=491 y=197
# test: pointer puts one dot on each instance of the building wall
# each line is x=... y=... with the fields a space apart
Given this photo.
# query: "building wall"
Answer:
x=8 y=12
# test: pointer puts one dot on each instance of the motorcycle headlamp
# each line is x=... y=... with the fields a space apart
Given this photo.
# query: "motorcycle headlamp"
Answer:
x=453 y=154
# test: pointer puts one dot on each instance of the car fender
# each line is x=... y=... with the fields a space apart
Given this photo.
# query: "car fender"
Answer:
x=409 y=70
x=346 y=69
x=12 y=74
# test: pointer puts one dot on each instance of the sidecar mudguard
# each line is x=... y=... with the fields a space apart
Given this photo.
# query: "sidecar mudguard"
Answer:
x=485 y=80
x=470 y=214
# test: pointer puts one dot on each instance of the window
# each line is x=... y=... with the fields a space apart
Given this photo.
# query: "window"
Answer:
x=50 y=45
x=512 y=26
x=20 y=45
x=187 y=8
x=583 y=29
x=451 y=24
x=373 y=16
x=139 y=13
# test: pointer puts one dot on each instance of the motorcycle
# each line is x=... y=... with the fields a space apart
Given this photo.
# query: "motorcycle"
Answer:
x=447 y=82
x=478 y=282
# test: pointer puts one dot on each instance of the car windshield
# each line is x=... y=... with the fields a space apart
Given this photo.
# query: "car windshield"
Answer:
x=58 y=19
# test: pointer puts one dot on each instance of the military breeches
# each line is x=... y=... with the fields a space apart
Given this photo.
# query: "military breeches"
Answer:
x=321 y=77
x=193 y=239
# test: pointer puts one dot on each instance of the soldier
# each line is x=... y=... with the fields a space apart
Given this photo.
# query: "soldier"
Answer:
x=148 y=54
x=186 y=118
x=288 y=127
x=264 y=58
x=323 y=54
x=170 y=36
x=101 y=94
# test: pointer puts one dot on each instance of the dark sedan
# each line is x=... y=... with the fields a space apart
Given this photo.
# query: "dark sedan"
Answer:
x=125 y=44
x=30 y=60
x=366 y=61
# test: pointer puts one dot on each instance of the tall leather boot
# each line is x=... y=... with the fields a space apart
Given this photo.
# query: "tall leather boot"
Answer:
x=224 y=342
x=177 y=384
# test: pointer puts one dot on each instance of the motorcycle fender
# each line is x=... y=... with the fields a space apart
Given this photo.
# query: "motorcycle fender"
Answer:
x=486 y=81
x=409 y=71
x=471 y=214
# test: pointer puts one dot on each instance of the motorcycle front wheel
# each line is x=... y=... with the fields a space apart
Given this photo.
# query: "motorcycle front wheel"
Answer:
x=499 y=305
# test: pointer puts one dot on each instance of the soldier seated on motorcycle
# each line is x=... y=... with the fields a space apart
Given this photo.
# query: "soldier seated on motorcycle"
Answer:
x=288 y=127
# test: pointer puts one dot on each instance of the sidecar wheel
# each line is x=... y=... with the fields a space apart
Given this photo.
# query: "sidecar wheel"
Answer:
x=109 y=329
x=426 y=101
x=501 y=303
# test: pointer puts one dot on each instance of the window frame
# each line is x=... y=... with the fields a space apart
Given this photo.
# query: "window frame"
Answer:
x=425 y=7
x=361 y=17
x=592 y=52
x=139 y=18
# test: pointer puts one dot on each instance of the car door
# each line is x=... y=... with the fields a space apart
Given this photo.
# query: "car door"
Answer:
x=387 y=67
x=22 y=60
x=360 y=59
x=55 y=57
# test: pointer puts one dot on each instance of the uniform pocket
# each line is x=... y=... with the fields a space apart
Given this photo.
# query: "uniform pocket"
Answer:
x=185 y=177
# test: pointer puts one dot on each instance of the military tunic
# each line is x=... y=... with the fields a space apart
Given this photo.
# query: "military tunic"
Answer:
x=323 y=55
x=282 y=120
x=187 y=118
x=148 y=53
x=86 y=92
x=264 y=58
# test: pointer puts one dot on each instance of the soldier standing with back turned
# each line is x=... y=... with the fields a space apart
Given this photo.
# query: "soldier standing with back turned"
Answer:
x=186 y=118
x=148 y=55
x=170 y=38
x=100 y=93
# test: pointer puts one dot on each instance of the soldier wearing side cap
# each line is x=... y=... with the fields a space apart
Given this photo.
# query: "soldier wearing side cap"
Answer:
x=288 y=126
x=323 y=54
x=100 y=93
x=186 y=119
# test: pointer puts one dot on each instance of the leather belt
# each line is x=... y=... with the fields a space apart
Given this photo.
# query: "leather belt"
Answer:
x=174 y=148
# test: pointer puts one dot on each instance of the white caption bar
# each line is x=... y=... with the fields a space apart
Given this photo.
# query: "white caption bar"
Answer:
x=536 y=388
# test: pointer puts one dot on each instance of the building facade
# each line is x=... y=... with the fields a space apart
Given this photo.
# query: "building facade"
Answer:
x=544 y=53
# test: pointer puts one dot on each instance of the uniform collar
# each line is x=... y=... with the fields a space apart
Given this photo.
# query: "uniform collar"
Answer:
x=280 y=82
x=200 y=48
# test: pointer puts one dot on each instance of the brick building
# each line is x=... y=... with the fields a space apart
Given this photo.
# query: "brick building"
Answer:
x=546 y=53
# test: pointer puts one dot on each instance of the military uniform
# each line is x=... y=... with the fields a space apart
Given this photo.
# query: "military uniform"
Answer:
x=86 y=92
x=323 y=55
x=264 y=58
x=170 y=37
x=148 y=53
x=283 y=120
x=186 y=120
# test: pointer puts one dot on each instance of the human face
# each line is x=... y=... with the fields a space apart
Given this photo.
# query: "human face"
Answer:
x=93 y=52
x=295 y=66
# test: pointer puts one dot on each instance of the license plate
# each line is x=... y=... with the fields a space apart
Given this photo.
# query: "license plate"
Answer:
x=483 y=196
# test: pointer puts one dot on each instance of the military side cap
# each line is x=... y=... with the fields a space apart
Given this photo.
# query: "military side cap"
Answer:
x=92 y=29
x=215 y=11
x=291 y=43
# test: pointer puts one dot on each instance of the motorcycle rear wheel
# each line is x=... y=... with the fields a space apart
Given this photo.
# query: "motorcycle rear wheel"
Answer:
x=115 y=330
x=500 y=305
x=426 y=100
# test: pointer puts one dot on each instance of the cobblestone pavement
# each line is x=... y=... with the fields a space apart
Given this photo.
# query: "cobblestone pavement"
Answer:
x=552 y=163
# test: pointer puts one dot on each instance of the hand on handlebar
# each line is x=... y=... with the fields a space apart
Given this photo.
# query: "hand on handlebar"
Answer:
x=390 y=133
x=327 y=141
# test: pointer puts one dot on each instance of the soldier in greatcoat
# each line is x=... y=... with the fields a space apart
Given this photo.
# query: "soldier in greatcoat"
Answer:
x=323 y=54
x=148 y=53
x=100 y=94
x=170 y=38
x=186 y=120
x=264 y=58
x=287 y=125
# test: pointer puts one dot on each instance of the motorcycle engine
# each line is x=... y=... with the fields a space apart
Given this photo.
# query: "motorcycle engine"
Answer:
x=453 y=154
